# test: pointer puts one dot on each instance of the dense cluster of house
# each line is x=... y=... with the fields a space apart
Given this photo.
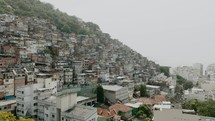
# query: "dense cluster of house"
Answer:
x=49 y=75
x=30 y=46
x=39 y=64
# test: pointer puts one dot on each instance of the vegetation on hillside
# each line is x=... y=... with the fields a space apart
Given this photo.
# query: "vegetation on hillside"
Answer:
x=165 y=70
x=182 y=84
x=185 y=83
x=35 y=8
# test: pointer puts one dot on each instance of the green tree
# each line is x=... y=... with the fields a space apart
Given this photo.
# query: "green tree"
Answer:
x=179 y=91
x=145 y=112
x=136 y=88
x=143 y=91
x=205 y=108
x=192 y=104
x=100 y=94
x=188 y=85
x=180 y=80
x=7 y=116
x=165 y=70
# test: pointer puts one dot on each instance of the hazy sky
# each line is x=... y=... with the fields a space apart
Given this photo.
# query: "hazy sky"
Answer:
x=169 y=32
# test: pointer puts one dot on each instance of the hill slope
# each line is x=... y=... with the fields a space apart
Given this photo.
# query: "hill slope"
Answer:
x=127 y=61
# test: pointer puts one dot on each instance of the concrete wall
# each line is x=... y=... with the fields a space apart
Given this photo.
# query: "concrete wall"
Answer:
x=122 y=94
x=9 y=87
x=19 y=81
x=110 y=95
x=65 y=101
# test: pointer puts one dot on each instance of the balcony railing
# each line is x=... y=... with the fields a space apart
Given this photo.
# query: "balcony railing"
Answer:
x=67 y=89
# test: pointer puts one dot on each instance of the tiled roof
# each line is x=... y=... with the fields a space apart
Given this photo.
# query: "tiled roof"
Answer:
x=120 y=107
x=151 y=101
x=105 y=113
x=146 y=100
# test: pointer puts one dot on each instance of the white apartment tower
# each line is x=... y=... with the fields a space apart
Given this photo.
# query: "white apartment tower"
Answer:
x=199 y=68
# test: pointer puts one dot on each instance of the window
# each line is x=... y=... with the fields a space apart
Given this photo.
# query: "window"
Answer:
x=35 y=104
x=22 y=92
x=53 y=116
x=62 y=118
x=35 y=98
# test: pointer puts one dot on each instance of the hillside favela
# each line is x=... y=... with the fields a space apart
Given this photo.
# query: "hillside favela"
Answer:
x=57 y=67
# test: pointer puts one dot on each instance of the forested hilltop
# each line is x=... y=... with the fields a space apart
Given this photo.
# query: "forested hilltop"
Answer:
x=127 y=60
x=35 y=8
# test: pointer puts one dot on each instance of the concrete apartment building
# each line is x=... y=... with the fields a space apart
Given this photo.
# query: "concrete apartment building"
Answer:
x=199 y=94
x=153 y=90
x=63 y=107
x=45 y=104
x=199 y=68
x=116 y=93
x=8 y=105
x=26 y=98
x=188 y=72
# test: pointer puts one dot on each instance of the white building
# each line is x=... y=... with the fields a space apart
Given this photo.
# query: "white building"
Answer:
x=208 y=85
x=199 y=94
x=8 y=105
x=153 y=90
x=199 y=68
x=116 y=93
x=163 y=105
x=46 y=104
x=187 y=72
x=68 y=75
x=9 y=86
x=63 y=107
x=27 y=100
x=210 y=69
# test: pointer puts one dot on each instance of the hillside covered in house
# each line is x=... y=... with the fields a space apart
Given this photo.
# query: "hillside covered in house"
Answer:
x=38 y=32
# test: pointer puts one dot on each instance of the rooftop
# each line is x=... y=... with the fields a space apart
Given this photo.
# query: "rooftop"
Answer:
x=152 y=86
x=112 y=87
x=134 y=105
x=51 y=99
x=174 y=115
x=106 y=113
x=80 y=112
x=7 y=102
x=161 y=106
x=151 y=101
x=81 y=98
x=120 y=107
